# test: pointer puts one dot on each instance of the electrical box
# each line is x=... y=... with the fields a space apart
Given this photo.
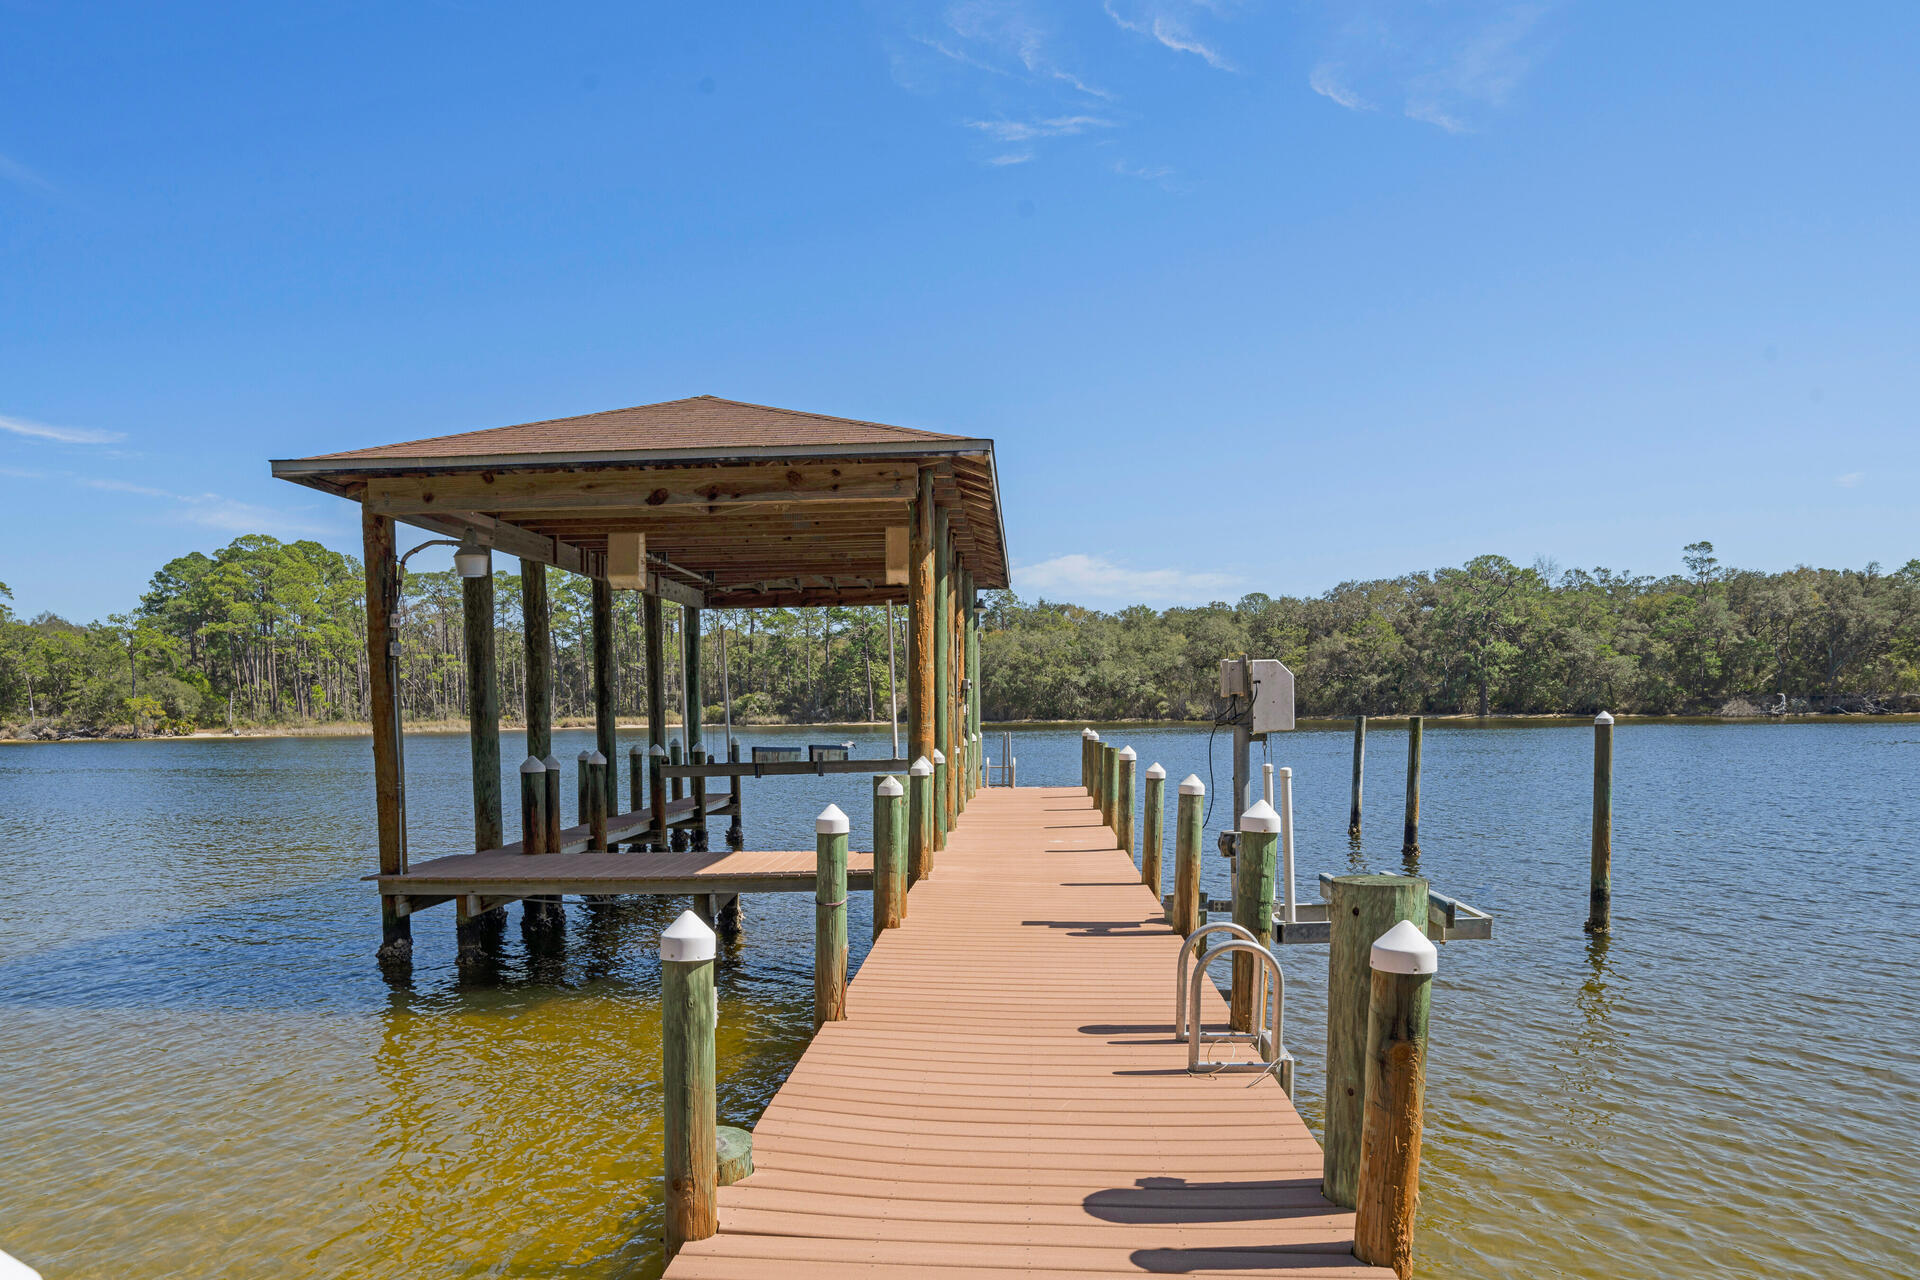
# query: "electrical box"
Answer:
x=1265 y=687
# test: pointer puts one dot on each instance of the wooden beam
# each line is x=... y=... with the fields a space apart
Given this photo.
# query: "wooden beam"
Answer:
x=603 y=713
x=636 y=488
x=664 y=586
x=511 y=540
x=483 y=710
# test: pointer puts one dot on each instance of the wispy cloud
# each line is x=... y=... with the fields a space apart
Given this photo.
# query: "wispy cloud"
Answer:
x=1012 y=157
x=58 y=435
x=1084 y=579
x=208 y=510
x=1448 y=65
x=1170 y=28
x=1850 y=480
x=1026 y=130
x=21 y=176
x=1326 y=82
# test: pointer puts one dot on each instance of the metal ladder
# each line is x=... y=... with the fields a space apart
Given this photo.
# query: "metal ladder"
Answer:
x=1267 y=1036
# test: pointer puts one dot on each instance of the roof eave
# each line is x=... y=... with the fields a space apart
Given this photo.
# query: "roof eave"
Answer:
x=298 y=468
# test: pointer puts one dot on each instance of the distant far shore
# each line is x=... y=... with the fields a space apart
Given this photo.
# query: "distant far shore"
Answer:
x=361 y=728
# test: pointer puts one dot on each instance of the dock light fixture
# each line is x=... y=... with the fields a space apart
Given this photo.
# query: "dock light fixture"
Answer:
x=472 y=560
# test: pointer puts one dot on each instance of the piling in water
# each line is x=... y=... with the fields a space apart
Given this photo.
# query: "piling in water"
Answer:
x=1600 y=870
x=1410 y=839
x=687 y=1017
x=830 y=917
x=1359 y=771
x=596 y=774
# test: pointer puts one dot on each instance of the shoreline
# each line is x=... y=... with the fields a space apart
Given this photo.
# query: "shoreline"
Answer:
x=362 y=729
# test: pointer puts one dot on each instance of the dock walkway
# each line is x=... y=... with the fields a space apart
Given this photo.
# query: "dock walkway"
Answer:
x=1006 y=1097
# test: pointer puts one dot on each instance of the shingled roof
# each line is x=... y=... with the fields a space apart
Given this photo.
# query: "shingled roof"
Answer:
x=699 y=424
x=749 y=504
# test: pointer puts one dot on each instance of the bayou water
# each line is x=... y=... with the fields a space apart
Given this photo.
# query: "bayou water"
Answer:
x=206 y=1075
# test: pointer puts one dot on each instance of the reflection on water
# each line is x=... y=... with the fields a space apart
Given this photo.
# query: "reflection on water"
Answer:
x=207 y=1075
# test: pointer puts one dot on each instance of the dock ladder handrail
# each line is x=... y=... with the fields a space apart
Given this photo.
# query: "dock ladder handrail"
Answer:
x=1268 y=1040
x=1188 y=950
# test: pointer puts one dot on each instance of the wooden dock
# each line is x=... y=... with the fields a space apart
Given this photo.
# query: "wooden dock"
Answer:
x=1006 y=1097
x=508 y=873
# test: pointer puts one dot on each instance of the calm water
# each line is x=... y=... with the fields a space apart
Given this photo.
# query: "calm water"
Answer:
x=206 y=1075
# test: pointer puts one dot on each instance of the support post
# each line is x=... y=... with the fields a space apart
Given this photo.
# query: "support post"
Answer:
x=383 y=597
x=942 y=675
x=1600 y=868
x=1290 y=906
x=1410 y=840
x=654 y=625
x=688 y=1015
x=637 y=776
x=694 y=693
x=1110 y=788
x=920 y=694
x=533 y=806
x=1087 y=738
x=1359 y=771
x=1398 y=1014
x=1153 y=828
x=1360 y=909
x=604 y=723
x=699 y=802
x=582 y=806
x=483 y=710
x=975 y=697
x=1124 y=766
x=535 y=621
x=1253 y=905
x=597 y=801
x=657 y=790
x=889 y=859
x=736 y=789
x=830 y=917
x=920 y=819
x=1186 y=913
x=556 y=820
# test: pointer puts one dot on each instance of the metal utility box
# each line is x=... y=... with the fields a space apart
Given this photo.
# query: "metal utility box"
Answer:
x=1270 y=696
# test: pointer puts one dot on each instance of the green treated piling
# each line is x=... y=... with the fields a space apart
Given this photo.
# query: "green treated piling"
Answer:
x=533 y=806
x=1153 y=828
x=1253 y=883
x=1186 y=913
x=1360 y=909
x=1110 y=787
x=1398 y=1014
x=830 y=917
x=596 y=775
x=1123 y=799
x=889 y=855
x=939 y=802
x=1600 y=870
x=1359 y=771
x=920 y=820
x=687 y=1016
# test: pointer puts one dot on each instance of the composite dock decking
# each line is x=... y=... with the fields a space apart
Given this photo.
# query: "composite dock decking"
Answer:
x=508 y=873
x=1006 y=1097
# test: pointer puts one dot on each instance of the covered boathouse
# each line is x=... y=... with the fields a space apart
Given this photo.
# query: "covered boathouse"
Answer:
x=697 y=503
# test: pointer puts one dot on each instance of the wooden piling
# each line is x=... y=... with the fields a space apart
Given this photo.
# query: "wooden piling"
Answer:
x=1359 y=771
x=920 y=688
x=597 y=801
x=483 y=710
x=736 y=831
x=1361 y=909
x=1600 y=867
x=733 y=1154
x=637 y=778
x=383 y=597
x=679 y=785
x=1410 y=840
x=535 y=620
x=699 y=785
x=1186 y=913
x=1124 y=766
x=920 y=819
x=1087 y=738
x=604 y=722
x=942 y=672
x=939 y=805
x=1110 y=788
x=1153 y=828
x=533 y=806
x=687 y=1023
x=654 y=624
x=830 y=917
x=1398 y=1014
x=556 y=820
x=888 y=857
x=1253 y=881
x=657 y=790
x=582 y=807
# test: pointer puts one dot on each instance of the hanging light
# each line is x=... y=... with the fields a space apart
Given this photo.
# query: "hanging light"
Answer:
x=472 y=560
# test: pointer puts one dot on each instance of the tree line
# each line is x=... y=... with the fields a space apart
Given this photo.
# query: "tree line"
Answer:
x=262 y=632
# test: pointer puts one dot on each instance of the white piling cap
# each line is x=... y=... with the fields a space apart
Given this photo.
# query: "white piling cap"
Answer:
x=1260 y=818
x=1605 y=717
x=12 y=1268
x=921 y=768
x=1193 y=786
x=1127 y=753
x=584 y=756
x=889 y=786
x=939 y=756
x=1405 y=949
x=688 y=938
x=596 y=758
x=657 y=750
x=636 y=750
x=831 y=822
x=532 y=764
x=1155 y=772
x=552 y=764
x=1090 y=735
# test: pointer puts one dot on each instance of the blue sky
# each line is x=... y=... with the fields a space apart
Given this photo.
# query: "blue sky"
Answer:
x=1253 y=296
